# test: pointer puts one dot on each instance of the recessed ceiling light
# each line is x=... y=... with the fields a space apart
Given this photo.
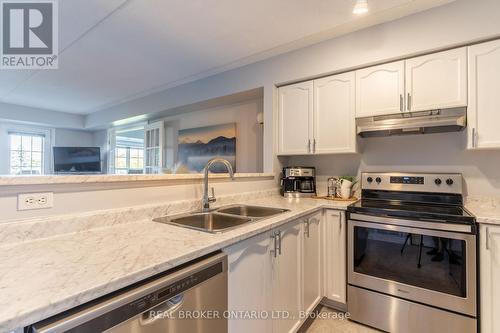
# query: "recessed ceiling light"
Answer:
x=361 y=7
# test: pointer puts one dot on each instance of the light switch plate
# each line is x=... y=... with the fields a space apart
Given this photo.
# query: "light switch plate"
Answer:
x=29 y=201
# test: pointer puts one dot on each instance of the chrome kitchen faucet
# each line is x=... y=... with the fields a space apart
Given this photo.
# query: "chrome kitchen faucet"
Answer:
x=206 y=198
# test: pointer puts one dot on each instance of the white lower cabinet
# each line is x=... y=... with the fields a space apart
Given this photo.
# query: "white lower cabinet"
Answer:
x=312 y=272
x=334 y=258
x=250 y=283
x=266 y=281
x=288 y=281
x=489 y=256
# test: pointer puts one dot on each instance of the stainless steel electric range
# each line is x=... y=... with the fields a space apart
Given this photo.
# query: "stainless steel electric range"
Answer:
x=412 y=254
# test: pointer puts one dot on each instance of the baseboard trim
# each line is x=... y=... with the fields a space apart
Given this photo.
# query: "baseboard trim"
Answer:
x=310 y=319
x=333 y=304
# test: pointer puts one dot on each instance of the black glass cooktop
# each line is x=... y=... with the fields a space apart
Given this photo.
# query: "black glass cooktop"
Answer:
x=414 y=210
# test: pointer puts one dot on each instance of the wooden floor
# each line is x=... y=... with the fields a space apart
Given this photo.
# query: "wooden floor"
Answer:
x=337 y=325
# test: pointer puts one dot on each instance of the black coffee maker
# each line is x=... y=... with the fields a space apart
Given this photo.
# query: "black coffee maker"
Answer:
x=298 y=182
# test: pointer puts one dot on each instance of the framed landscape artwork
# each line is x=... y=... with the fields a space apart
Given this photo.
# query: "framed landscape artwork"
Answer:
x=198 y=145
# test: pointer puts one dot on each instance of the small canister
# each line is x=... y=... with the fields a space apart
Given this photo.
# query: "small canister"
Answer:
x=332 y=187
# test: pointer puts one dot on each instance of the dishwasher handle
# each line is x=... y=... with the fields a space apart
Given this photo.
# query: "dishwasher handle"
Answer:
x=121 y=306
x=165 y=309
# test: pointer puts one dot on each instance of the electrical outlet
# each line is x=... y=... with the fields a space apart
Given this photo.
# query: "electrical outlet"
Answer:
x=28 y=201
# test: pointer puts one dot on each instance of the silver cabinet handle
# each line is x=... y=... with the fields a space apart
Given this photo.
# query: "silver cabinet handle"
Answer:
x=314 y=145
x=340 y=221
x=487 y=238
x=309 y=145
x=409 y=102
x=306 y=231
x=473 y=138
x=275 y=250
x=279 y=242
x=401 y=102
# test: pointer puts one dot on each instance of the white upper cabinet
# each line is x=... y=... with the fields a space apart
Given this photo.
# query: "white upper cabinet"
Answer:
x=489 y=256
x=380 y=89
x=334 y=114
x=484 y=87
x=437 y=81
x=295 y=118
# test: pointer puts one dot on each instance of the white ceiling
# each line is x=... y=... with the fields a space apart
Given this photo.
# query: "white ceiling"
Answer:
x=116 y=50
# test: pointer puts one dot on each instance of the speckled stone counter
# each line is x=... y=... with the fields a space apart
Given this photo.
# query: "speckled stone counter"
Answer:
x=486 y=209
x=44 y=272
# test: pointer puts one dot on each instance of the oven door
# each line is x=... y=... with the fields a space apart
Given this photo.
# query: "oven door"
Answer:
x=432 y=267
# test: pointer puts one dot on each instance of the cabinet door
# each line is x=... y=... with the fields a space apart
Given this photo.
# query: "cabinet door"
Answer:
x=295 y=118
x=334 y=114
x=437 y=80
x=250 y=282
x=380 y=89
x=154 y=142
x=484 y=85
x=334 y=256
x=287 y=284
x=312 y=281
x=489 y=256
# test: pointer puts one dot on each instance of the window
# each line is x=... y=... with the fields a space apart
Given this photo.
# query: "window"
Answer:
x=129 y=160
x=126 y=147
x=26 y=153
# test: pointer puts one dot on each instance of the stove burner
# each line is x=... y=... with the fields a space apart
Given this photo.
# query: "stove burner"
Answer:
x=413 y=196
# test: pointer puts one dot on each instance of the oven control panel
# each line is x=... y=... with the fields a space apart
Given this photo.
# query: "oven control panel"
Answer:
x=407 y=180
x=412 y=182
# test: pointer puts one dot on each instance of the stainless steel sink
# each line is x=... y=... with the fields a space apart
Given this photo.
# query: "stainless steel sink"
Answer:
x=221 y=219
x=209 y=221
x=251 y=211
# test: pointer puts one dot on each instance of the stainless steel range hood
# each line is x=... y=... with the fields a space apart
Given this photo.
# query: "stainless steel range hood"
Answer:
x=423 y=122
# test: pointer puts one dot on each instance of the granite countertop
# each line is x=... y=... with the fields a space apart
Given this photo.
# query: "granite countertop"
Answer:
x=10 y=180
x=486 y=209
x=42 y=277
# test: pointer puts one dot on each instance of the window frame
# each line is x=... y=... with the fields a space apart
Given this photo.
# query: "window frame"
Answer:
x=112 y=133
x=47 y=133
x=128 y=159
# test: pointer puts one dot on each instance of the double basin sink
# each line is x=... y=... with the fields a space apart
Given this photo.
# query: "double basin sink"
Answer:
x=221 y=219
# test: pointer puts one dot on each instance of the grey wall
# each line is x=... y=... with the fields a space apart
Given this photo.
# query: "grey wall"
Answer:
x=416 y=153
x=249 y=135
x=42 y=117
x=61 y=137
x=72 y=138
x=459 y=22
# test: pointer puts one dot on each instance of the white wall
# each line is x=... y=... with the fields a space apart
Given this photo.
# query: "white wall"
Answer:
x=249 y=134
x=43 y=117
x=416 y=153
x=79 y=198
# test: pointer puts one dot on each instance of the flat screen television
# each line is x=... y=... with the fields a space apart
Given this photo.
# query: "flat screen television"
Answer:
x=78 y=160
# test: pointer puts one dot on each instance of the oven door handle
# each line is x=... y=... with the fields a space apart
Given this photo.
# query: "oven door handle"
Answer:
x=414 y=230
x=420 y=224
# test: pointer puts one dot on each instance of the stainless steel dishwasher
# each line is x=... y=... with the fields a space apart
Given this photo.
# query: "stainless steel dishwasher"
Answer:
x=192 y=299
